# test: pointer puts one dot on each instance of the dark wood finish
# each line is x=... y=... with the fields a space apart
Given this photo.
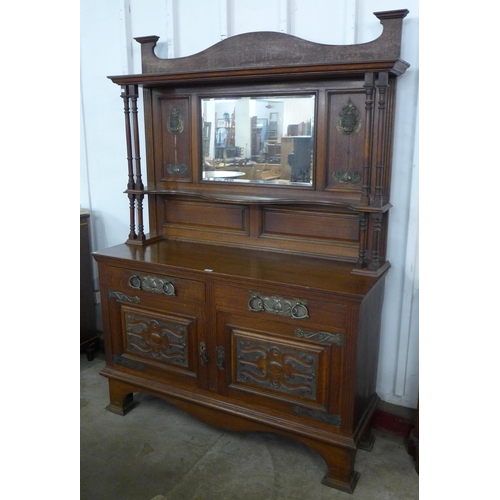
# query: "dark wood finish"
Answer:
x=88 y=329
x=257 y=307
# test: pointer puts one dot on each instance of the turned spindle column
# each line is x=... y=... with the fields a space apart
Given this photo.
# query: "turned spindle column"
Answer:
x=135 y=186
x=363 y=224
x=130 y=184
x=382 y=84
x=138 y=186
x=367 y=147
x=375 y=253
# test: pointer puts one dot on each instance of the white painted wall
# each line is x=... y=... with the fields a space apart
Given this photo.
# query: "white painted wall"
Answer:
x=189 y=26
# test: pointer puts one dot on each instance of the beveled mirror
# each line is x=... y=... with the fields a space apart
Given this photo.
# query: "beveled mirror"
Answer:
x=259 y=139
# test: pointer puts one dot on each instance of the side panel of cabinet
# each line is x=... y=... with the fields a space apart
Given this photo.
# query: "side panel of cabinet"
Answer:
x=367 y=350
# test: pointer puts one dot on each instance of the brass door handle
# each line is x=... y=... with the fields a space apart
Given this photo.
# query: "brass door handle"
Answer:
x=203 y=356
x=220 y=357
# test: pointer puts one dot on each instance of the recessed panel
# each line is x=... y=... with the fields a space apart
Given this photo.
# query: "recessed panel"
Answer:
x=160 y=338
x=345 y=153
x=310 y=224
x=277 y=367
x=174 y=157
x=206 y=216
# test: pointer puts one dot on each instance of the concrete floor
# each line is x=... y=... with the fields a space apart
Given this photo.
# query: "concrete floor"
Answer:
x=159 y=452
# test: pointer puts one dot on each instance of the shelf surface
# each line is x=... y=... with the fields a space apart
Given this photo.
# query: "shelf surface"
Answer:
x=316 y=273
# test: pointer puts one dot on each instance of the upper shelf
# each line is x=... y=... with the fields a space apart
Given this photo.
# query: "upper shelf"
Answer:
x=284 y=197
x=265 y=53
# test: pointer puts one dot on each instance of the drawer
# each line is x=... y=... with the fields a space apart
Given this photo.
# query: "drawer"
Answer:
x=283 y=306
x=153 y=285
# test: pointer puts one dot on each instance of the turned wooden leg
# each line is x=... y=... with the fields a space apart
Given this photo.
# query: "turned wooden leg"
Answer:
x=121 y=398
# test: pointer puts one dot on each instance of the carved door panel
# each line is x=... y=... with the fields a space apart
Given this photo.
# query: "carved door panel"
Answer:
x=272 y=364
x=154 y=325
x=160 y=345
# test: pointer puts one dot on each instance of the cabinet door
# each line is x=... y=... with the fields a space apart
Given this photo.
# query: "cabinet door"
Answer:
x=274 y=365
x=153 y=334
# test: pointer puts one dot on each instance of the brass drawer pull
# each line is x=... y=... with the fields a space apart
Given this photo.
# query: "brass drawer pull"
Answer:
x=256 y=304
x=152 y=284
x=295 y=309
x=299 y=311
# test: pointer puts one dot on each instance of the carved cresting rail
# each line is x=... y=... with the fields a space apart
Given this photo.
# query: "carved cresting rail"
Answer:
x=271 y=50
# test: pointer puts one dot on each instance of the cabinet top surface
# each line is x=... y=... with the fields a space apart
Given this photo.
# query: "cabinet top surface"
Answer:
x=316 y=273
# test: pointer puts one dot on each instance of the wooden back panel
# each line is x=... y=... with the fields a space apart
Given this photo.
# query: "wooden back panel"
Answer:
x=341 y=215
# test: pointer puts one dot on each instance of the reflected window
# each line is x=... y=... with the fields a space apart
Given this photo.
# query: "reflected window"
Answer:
x=264 y=140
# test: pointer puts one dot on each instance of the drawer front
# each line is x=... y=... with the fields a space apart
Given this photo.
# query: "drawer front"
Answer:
x=274 y=365
x=282 y=306
x=154 y=287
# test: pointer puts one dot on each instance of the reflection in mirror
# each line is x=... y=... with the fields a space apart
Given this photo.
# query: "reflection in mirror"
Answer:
x=264 y=140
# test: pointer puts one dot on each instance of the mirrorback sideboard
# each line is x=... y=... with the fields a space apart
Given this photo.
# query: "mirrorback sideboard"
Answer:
x=254 y=301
